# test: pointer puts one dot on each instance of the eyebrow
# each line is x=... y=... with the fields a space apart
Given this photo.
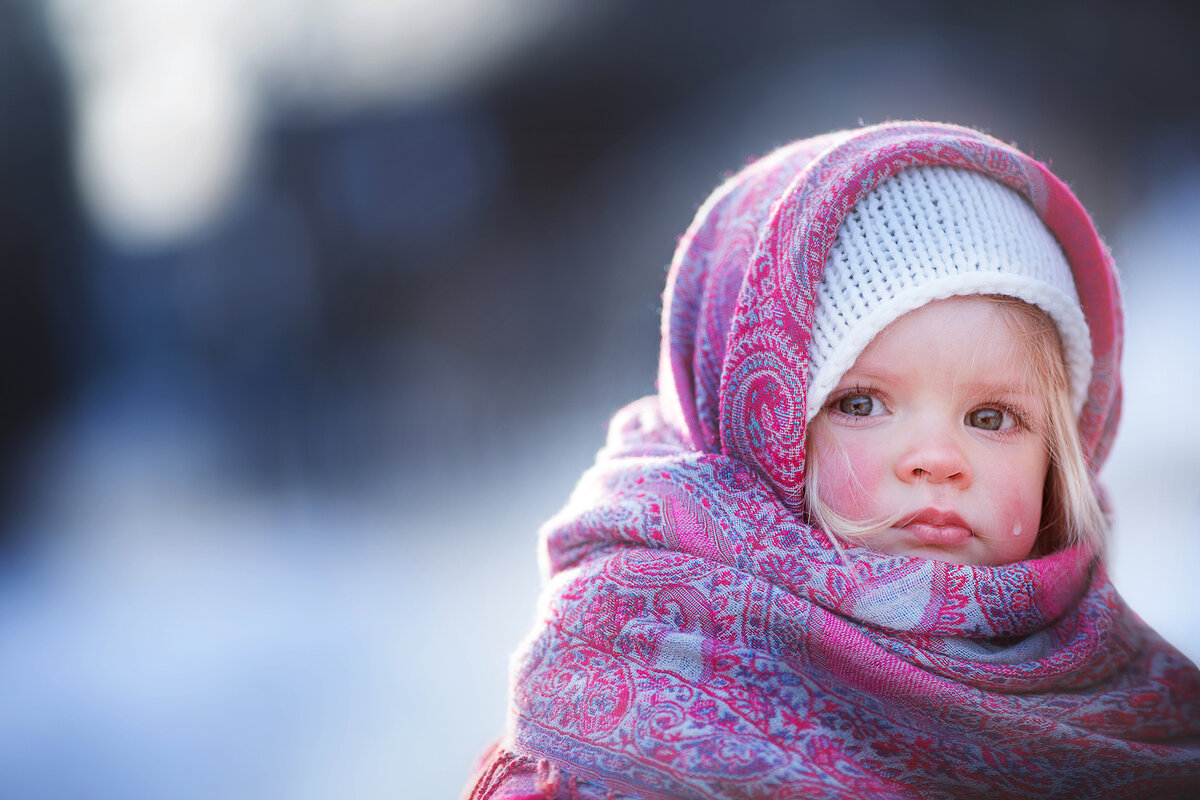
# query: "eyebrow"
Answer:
x=882 y=375
x=1003 y=391
x=1026 y=390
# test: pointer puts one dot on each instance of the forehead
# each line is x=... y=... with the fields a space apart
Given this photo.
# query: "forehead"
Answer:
x=957 y=339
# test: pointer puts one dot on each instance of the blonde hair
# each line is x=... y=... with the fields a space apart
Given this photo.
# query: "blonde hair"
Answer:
x=1071 y=512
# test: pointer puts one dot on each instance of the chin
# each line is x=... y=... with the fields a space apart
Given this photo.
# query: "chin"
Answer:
x=961 y=556
x=948 y=557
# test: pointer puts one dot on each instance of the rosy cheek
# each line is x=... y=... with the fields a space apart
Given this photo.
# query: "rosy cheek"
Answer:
x=1020 y=519
x=850 y=479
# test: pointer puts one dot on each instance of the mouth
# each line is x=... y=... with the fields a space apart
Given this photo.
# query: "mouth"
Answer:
x=935 y=526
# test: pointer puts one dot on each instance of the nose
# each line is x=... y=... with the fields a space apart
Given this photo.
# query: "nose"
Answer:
x=934 y=456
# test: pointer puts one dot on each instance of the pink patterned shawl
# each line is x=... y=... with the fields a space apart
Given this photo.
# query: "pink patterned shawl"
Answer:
x=697 y=639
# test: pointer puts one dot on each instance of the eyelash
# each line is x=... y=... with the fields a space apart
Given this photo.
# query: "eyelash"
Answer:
x=866 y=391
x=1019 y=417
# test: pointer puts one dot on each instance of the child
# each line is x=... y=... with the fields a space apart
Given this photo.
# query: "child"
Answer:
x=853 y=546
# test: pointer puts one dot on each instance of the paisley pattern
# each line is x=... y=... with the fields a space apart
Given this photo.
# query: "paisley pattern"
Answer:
x=697 y=639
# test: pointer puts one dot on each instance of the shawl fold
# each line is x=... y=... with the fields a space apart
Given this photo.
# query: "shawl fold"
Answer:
x=698 y=639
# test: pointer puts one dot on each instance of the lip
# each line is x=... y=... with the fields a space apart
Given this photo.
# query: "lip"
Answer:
x=937 y=526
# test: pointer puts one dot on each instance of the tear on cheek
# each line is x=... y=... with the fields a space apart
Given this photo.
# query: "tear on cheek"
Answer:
x=1026 y=514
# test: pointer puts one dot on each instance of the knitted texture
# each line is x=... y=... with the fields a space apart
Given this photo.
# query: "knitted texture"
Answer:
x=929 y=233
x=698 y=639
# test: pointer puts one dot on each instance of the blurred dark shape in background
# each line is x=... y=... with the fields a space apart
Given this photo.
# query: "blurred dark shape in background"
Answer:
x=42 y=312
x=347 y=394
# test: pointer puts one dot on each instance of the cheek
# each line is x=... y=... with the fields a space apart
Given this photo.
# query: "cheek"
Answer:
x=1019 y=509
x=1035 y=486
x=851 y=475
x=1022 y=511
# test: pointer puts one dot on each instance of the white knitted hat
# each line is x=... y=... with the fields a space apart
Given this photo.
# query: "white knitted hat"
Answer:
x=928 y=233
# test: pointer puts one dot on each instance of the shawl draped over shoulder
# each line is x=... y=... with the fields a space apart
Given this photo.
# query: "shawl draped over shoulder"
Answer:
x=697 y=639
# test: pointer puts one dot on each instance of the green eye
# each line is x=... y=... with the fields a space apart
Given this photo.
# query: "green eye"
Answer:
x=856 y=405
x=988 y=419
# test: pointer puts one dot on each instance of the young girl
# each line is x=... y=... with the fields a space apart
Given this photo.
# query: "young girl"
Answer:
x=853 y=546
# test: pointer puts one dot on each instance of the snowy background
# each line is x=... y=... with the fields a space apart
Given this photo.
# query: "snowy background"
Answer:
x=319 y=309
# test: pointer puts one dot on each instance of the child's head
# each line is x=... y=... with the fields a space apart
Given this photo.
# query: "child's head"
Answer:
x=948 y=365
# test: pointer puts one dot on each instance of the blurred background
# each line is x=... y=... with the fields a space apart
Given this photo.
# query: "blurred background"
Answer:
x=313 y=311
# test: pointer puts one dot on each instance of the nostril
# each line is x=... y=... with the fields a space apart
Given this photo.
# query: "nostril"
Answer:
x=933 y=464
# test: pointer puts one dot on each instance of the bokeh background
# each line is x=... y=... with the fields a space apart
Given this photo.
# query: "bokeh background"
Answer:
x=313 y=310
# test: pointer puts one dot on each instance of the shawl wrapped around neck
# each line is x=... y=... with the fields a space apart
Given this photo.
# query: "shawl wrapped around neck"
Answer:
x=697 y=639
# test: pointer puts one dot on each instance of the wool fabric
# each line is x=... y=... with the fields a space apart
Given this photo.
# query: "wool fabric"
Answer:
x=697 y=639
x=929 y=233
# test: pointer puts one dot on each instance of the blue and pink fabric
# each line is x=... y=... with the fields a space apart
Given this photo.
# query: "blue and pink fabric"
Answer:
x=697 y=639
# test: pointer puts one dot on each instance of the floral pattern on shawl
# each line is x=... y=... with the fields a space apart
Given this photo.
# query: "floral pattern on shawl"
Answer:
x=697 y=639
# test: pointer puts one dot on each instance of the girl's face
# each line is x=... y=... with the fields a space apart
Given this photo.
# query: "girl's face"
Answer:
x=939 y=422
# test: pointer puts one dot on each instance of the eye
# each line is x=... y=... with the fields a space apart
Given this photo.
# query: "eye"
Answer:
x=858 y=405
x=991 y=419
